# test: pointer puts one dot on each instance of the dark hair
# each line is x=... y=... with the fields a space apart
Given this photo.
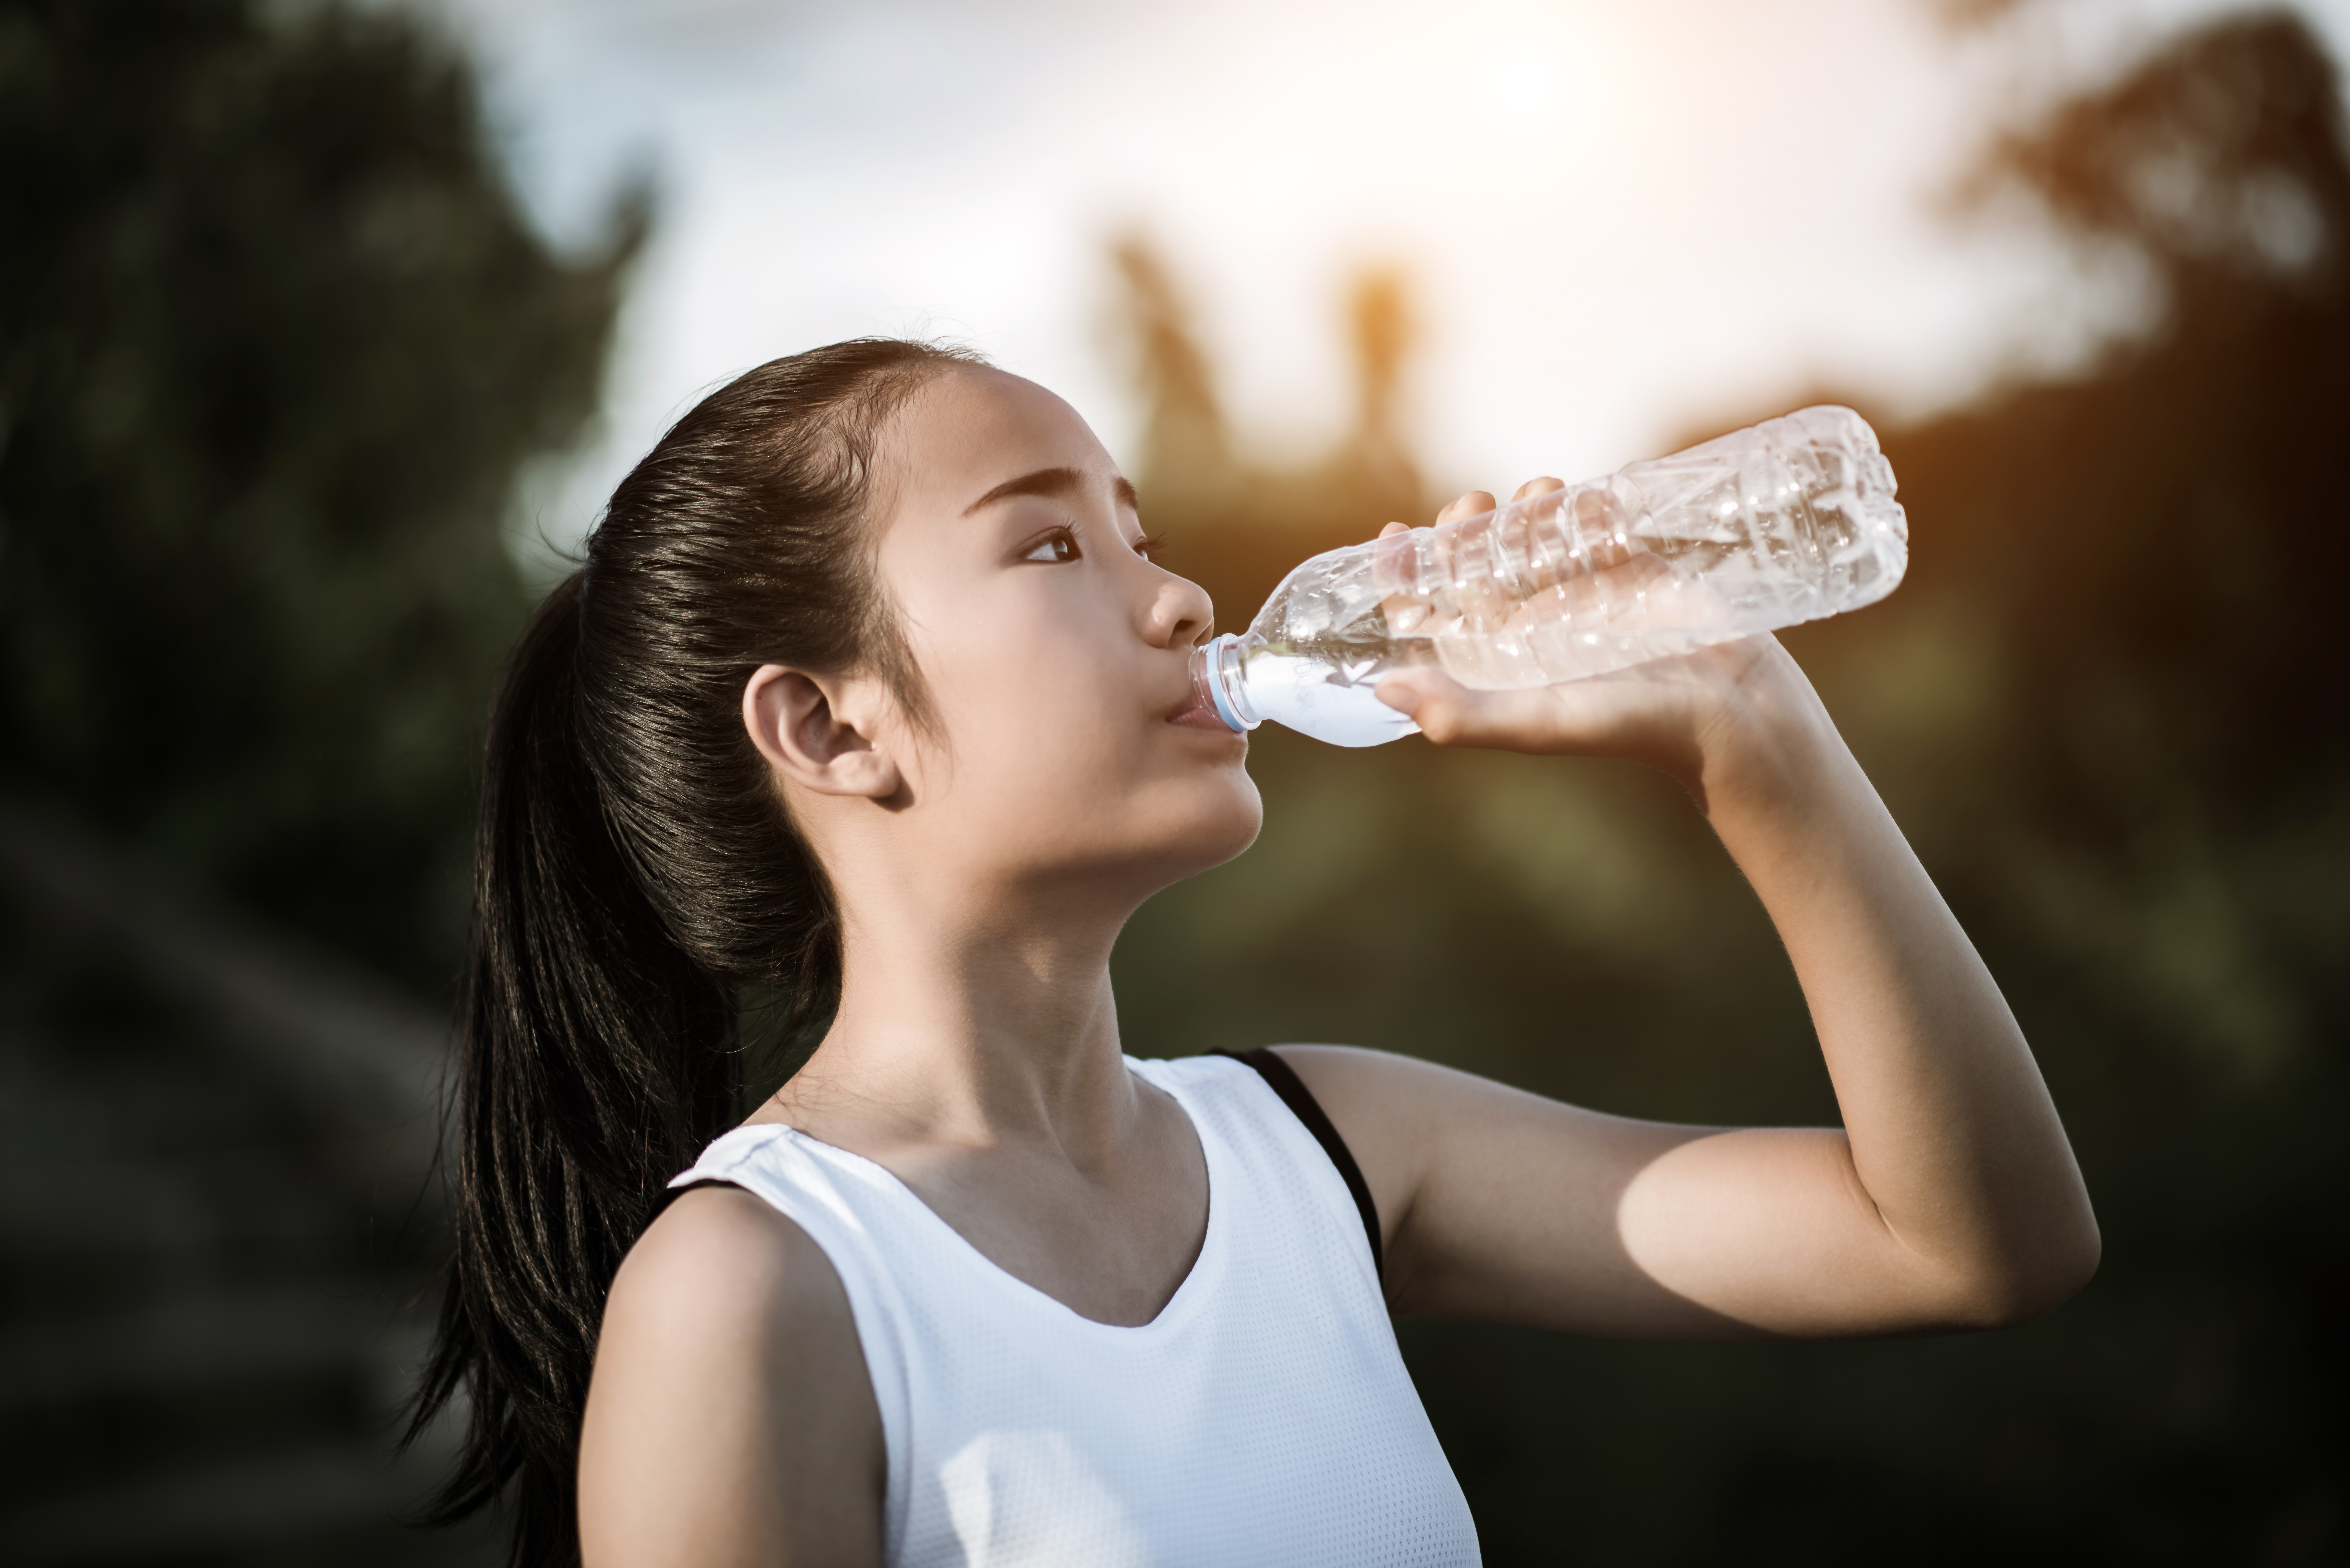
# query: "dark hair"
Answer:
x=635 y=875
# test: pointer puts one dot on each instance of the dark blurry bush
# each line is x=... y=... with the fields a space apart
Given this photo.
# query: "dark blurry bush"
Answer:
x=274 y=340
x=2106 y=708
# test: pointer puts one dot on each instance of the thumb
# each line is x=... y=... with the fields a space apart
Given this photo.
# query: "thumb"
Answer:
x=1420 y=691
x=1451 y=715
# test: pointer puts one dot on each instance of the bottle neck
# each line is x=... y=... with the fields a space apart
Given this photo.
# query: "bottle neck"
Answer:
x=1216 y=676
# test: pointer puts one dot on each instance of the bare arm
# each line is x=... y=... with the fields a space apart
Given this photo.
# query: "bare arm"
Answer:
x=731 y=1420
x=1949 y=1198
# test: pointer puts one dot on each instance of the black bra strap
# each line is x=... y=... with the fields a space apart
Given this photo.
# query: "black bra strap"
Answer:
x=1284 y=1081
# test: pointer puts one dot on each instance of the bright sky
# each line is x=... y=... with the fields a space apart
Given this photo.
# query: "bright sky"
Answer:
x=1621 y=219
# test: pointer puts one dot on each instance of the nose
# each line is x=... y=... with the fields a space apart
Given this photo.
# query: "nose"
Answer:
x=1179 y=613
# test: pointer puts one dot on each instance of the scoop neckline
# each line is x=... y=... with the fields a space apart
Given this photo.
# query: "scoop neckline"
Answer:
x=1196 y=1281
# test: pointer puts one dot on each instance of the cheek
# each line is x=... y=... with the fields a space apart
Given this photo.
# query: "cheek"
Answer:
x=1055 y=750
x=1068 y=765
x=1070 y=744
x=1045 y=681
x=1028 y=726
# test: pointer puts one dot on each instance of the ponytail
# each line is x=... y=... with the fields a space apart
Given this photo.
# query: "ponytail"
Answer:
x=635 y=875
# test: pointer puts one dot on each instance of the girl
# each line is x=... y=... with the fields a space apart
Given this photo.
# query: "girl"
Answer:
x=870 y=693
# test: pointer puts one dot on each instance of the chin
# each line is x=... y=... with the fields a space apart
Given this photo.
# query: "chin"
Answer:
x=1139 y=837
x=1218 y=822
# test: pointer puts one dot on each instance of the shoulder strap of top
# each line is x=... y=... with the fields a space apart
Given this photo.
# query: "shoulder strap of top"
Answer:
x=672 y=1194
x=1284 y=1081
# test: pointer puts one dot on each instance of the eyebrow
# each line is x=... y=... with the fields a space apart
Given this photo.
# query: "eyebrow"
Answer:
x=1052 y=482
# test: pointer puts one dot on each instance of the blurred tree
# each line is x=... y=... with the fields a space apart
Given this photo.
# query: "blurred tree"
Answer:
x=1187 y=448
x=1379 y=458
x=1243 y=523
x=274 y=340
x=2202 y=474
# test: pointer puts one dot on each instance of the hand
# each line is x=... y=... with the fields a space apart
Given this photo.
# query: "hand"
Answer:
x=1732 y=715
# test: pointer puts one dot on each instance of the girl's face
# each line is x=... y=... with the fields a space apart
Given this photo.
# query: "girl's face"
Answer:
x=1065 y=740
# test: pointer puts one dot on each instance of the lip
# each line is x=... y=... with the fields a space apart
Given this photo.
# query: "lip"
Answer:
x=1198 y=712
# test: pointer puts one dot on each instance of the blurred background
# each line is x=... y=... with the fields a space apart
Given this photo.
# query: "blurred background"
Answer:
x=323 y=328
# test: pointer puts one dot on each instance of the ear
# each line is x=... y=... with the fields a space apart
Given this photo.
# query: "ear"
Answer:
x=820 y=731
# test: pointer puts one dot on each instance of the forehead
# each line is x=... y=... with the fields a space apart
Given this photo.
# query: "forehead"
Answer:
x=972 y=428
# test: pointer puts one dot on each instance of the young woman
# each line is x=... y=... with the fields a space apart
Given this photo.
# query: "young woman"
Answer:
x=869 y=693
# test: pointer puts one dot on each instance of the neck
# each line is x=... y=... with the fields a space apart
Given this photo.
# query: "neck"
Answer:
x=978 y=1029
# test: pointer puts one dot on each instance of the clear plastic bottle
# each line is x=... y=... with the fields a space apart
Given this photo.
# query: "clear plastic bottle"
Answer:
x=1789 y=521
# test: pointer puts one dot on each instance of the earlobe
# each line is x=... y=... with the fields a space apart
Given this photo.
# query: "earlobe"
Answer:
x=815 y=730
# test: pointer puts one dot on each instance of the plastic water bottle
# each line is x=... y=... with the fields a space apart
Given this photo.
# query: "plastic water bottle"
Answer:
x=1789 y=521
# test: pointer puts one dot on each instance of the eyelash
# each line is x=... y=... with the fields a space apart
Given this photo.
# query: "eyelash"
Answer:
x=1149 y=546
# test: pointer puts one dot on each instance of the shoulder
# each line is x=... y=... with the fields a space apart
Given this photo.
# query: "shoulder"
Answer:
x=1412 y=1119
x=1417 y=1129
x=1377 y=1102
x=722 y=1260
x=1376 y=1096
x=1351 y=1067
x=728 y=1356
x=1394 y=1099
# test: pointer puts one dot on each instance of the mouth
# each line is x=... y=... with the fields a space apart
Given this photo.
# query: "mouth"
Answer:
x=1198 y=713
x=1198 y=709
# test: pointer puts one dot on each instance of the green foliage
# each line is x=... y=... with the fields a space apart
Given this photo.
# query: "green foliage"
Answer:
x=2104 y=707
x=274 y=341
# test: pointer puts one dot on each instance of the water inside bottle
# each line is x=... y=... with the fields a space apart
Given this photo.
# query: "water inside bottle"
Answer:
x=1300 y=693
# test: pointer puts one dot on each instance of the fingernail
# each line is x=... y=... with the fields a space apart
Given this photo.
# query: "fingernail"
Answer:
x=1403 y=698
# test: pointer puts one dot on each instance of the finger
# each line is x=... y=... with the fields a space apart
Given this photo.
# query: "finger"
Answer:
x=1451 y=714
x=1392 y=565
x=1534 y=506
x=1408 y=690
x=1469 y=505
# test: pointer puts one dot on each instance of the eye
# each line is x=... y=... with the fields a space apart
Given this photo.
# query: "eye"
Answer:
x=1055 y=547
x=1150 y=547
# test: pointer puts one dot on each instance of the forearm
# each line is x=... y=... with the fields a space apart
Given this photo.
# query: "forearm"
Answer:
x=1953 y=1137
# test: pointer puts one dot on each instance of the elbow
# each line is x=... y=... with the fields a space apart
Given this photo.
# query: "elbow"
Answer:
x=2033 y=1281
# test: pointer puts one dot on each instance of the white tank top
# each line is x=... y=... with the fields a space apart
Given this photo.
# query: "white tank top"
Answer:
x=1263 y=1417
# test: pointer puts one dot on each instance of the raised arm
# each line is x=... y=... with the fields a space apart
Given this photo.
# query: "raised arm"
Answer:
x=1949 y=1198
